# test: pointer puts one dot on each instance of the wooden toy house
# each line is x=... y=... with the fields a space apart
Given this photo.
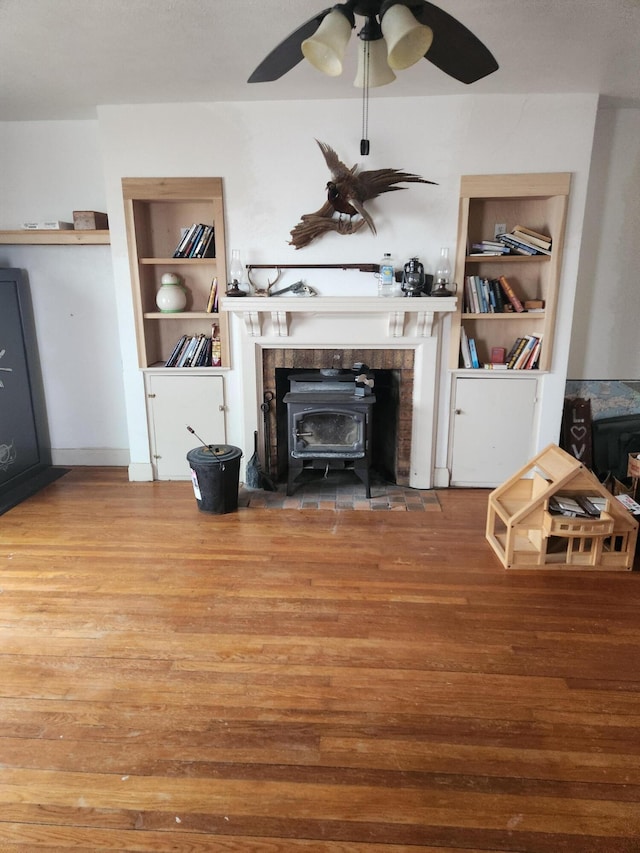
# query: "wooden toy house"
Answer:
x=525 y=534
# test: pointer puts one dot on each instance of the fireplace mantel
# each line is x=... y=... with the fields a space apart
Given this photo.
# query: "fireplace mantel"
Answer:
x=279 y=309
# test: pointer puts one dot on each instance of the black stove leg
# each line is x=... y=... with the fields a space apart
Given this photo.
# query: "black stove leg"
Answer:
x=295 y=469
x=363 y=474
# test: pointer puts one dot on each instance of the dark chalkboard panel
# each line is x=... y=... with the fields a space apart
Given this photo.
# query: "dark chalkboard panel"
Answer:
x=24 y=439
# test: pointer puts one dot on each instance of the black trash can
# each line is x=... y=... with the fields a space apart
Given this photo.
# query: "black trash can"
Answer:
x=215 y=473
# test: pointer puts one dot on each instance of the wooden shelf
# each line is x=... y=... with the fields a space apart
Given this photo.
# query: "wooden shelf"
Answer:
x=507 y=259
x=69 y=237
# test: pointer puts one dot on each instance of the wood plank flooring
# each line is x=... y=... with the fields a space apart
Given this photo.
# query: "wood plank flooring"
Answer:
x=279 y=681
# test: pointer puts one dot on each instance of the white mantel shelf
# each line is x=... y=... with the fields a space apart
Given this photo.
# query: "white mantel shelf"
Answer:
x=279 y=309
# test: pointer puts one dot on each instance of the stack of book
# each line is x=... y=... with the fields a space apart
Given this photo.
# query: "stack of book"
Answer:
x=490 y=296
x=489 y=247
x=525 y=241
x=525 y=353
x=197 y=351
x=197 y=242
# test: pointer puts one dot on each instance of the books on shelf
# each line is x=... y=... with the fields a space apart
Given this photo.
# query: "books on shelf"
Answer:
x=525 y=353
x=489 y=247
x=521 y=242
x=197 y=350
x=534 y=237
x=489 y=296
x=198 y=241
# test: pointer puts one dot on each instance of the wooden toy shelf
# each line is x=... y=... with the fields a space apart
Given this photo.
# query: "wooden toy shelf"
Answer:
x=525 y=534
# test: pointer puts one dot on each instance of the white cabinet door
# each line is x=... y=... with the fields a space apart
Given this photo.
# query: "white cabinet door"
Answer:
x=173 y=403
x=493 y=428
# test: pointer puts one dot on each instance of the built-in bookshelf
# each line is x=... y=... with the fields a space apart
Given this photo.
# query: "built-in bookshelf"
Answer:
x=158 y=214
x=490 y=204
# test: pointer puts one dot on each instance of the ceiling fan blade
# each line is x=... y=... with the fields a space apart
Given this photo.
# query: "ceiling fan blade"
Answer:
x=287 y=54
x=455 y=50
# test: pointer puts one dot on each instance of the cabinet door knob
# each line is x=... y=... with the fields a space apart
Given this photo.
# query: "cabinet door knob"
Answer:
x=458 y=411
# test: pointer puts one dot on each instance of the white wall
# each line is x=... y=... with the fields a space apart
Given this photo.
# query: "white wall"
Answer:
x=607 y=314
x=49 y=169
x=273 y=173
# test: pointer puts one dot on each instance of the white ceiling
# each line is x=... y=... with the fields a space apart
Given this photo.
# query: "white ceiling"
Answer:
x=62 y=58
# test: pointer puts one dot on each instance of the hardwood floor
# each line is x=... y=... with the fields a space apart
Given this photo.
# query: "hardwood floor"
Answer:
x=277 y=681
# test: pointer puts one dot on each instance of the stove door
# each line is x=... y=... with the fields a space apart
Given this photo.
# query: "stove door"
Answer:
x=327 y=431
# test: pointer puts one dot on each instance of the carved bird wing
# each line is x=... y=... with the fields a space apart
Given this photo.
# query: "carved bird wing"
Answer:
x=339 y=172
x=377 y=181
x=350 y=188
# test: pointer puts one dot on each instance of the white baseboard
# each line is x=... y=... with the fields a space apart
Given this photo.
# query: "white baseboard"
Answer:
x=140 y=472
x=441 y=478
x=91 y=456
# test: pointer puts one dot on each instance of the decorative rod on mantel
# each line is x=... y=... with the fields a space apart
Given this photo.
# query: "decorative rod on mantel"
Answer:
x=361 y=267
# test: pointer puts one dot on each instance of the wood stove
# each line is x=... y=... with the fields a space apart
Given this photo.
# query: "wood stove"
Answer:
x=329 y=424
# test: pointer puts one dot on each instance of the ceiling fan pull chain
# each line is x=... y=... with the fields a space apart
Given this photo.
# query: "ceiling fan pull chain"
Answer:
x=364 y=142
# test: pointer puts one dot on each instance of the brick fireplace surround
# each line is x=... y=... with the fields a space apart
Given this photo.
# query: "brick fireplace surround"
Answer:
x=400 y=361
x=401 y=335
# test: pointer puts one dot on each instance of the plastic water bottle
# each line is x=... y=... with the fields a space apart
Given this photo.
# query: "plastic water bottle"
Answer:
x=387 y=279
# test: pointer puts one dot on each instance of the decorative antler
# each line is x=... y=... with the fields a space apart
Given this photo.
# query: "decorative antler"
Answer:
x=263 y=291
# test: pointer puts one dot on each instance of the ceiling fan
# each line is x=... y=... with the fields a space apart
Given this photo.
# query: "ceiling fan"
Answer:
x=401 y=32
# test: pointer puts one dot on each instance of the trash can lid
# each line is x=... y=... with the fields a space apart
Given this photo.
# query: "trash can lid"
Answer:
x=214 y=453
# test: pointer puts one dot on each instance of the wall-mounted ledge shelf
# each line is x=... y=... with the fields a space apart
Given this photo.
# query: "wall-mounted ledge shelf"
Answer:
x=25 y=237
x=280 y=309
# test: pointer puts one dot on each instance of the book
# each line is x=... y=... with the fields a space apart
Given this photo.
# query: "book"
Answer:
x=208 y=245
x=212 y=302
x=187 y=352
x=475 y=305
x=190 y=247
x=184 y=240
x=464 y=348
x=170 y=362
x=516 y=351
x=474 y=353
x=543 y=240
x=498 y=355
x=566 y=505
x=495 y=366
x=534 y=357
x=519 y=246
x=216 y=346
x=477 y=283
x=510 y=294
x=497 y=295
x=529 y=242
x=199 y=241
x=523 y=357
x=48 y=225
x=630 y=504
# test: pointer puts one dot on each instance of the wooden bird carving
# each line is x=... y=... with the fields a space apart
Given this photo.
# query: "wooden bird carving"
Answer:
x=347 y=191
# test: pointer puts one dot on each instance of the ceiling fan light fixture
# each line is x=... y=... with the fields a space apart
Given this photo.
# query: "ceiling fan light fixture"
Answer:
x=325 y=49
x=407 y=39
x=379 y=73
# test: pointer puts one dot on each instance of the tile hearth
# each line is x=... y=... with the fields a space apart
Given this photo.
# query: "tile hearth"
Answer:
x=340 y=490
